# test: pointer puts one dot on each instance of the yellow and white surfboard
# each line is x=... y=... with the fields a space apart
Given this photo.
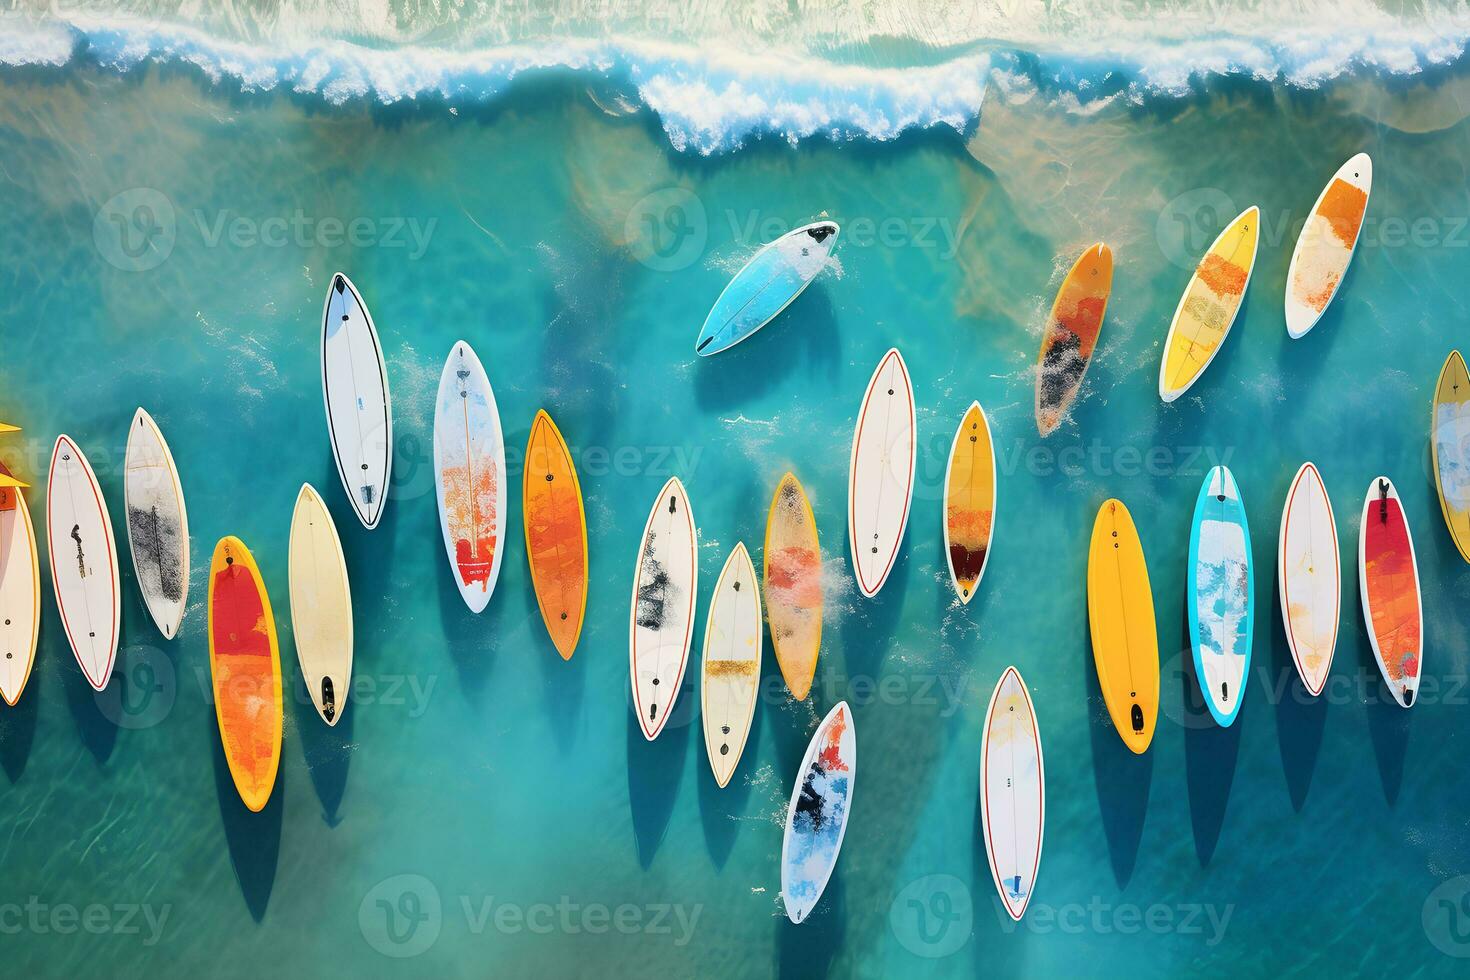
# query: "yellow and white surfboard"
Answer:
x=1208 y=307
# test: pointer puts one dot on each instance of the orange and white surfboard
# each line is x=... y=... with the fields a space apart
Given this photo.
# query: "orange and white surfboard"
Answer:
x=1326 y=245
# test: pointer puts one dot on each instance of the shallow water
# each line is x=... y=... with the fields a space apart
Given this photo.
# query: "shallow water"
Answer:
x=168 y=241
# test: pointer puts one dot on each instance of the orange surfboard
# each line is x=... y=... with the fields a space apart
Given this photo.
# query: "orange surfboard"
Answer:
x=793 y=574
x=245 y=666
x=1071 y=335
x=1388 y=582
x=556 y=533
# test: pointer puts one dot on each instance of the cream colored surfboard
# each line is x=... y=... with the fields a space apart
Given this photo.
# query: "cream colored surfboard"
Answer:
x=321 y=605
x=731 y=671
x=20 y=593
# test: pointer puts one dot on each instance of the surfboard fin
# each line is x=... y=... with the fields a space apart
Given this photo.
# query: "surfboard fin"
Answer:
x=1135 y=715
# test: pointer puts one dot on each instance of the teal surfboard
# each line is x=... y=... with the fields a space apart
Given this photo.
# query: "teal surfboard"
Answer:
x=1222 y=609
x=768 y=284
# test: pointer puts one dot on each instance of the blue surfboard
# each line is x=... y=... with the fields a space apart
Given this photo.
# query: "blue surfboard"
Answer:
x=770 y=281
x=1221 y=595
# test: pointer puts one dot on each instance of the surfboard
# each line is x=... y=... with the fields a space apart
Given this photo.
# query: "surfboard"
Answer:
x=158 y=524
x=469 y=468
x=768 y=283
x=1388 y=581
x=83 y=558
x=816 y=818
x=969 y=501
x=1208 y=307
x=245 y=670
x=1450 y=445
x=1221 y=600
x=20 y=592
x=1071 y=335
x=880 y=484
x=793 y=577
x=730 y=672
x=359 y=410
x=665 y=583
x=1120 y=614
x=1309 y=577
x=321 y=605
x=1012 y=792
x=1326 y=245
x=556 y=533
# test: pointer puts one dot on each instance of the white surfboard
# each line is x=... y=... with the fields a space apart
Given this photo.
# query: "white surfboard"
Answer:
x=816 y=818
x=469 y=475
x=1309 y=575
x=359 y=411
x=662 y=618
x=83 y=561
x=730 y=674
x=20 y=594
x=1012 y=792
x=321 y=605
x=881 y=473
x=158 y=524
x=1326 y=245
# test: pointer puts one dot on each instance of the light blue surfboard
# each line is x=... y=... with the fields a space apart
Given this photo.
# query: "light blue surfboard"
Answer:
x=1221 y=595
x=770 y=281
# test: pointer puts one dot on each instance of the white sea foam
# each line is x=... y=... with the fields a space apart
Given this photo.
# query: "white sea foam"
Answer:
x=716 y=85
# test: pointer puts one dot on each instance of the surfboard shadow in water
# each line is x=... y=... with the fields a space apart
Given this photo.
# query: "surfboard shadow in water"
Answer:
x=722 y=810
x=1300 y=718
x=1388 y=725
x=655 y=770
x=254 y=839
x=1210 y=754
x=806 y=951
x=1123 y=779
x=803 y=336
x=564 y=682
x=471 y=637
x=18 y=728
x=99 y=733
x=328 y=748
x=867 y=626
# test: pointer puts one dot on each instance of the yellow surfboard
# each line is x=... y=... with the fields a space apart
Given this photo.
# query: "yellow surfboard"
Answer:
x=1120 y=610
x=1208 y=307
x=1449 y=428
x=245 y=667
x=556 y=533
x=793 y=575
x=969 y=501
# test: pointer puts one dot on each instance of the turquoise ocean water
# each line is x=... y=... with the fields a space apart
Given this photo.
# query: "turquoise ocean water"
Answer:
x=179 y=184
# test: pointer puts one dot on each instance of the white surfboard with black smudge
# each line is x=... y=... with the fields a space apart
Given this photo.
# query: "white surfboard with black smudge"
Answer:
x=665 y=583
